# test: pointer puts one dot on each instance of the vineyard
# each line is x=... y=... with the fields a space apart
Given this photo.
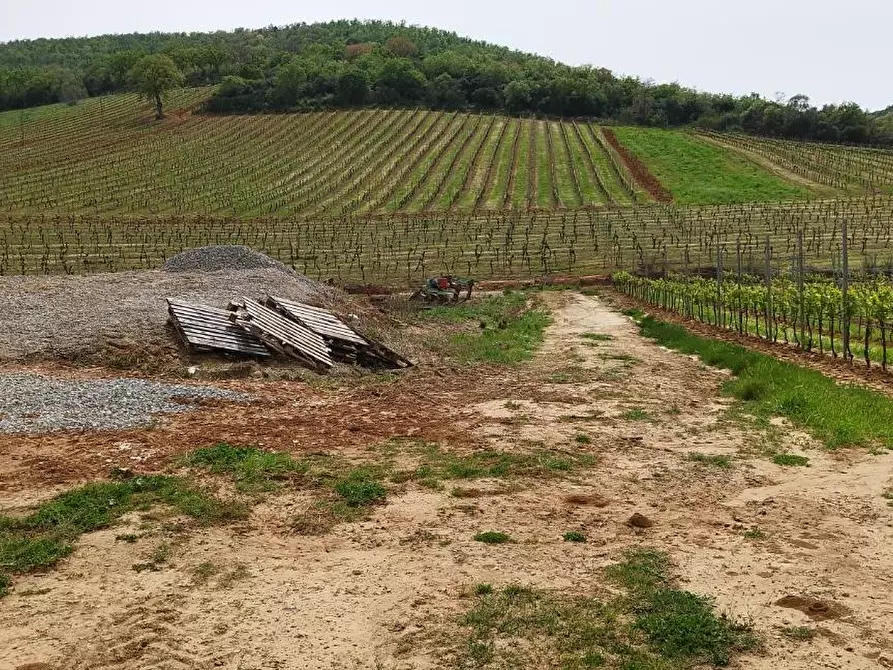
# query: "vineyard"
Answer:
x=402 y=248
x=816 y=314
x=105 y=156
x=835 y=166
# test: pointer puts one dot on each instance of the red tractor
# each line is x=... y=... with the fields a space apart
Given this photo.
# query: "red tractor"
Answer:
x=444 y=290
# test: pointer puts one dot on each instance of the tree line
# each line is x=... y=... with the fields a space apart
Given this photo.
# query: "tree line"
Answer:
x=344 y=64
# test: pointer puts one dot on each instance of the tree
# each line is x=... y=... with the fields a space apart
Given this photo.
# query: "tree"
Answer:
x=155 y=75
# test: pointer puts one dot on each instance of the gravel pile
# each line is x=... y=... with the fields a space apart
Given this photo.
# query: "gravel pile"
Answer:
x=222 y=257
x=32 y=403
x=72 y=316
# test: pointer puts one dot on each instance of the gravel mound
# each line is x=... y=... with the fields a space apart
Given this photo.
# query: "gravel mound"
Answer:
x=223 y=257
x=31 y=403
x=75 y=317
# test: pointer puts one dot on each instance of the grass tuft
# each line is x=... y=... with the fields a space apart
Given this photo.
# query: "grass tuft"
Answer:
x=790 y=460
x=493 y=537
x=252 y=469
x=574 y=536
x=361 y=488
x=800 y=633
x=598 y=337
x=715 y=460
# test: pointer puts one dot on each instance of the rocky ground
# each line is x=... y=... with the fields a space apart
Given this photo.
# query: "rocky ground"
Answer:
x=787 y=548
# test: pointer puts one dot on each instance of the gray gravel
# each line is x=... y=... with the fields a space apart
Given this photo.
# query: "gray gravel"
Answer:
x=31 y=403
x=223 y=257
x=66 y=316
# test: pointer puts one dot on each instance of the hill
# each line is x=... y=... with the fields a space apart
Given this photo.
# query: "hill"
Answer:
x=351 y=64
x=106 y=155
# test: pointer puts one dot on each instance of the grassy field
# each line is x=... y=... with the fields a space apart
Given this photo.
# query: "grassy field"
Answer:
x=697 y=172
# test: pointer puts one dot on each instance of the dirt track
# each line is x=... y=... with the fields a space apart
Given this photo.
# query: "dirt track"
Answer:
x=380 y=593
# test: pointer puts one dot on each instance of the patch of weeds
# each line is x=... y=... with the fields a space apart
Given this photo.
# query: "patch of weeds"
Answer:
x=715 y=460
x=5 y=583
x=47 y=535
x=512 y=405
x=238 y=573
x=574 y=536
x=130 y=538
x=590 y=292
x=799 y=633
x=636 y=414
x=159 y=557
x=582 y=438
x=673 y=410
x=202 y=572
x=677 y=624
x=357 y=492
x=837 y=414
x=252 y=469
x=483 y=589
x=653 y=627
x=754 y=534
x=790 y=460
x=361 y=488
x=492 y=537
x=507 y=330
x=597 y=337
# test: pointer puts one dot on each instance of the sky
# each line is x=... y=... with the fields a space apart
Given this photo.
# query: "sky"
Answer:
x=828 y=50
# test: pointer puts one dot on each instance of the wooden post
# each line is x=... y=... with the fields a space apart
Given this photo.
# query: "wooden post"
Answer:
x=767 y=268
x=717 y=313
x=801 y=298
x=845 y=312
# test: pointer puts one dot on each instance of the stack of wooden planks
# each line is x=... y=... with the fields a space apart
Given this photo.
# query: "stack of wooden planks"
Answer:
x=313 y=336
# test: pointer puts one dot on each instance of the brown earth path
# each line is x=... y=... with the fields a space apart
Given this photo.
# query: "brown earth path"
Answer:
x=380 y=593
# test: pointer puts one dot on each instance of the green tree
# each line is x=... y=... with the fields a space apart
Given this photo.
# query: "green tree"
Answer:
x=155 y=75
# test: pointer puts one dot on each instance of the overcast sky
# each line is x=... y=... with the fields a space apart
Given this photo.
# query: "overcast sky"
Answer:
x=829 y=50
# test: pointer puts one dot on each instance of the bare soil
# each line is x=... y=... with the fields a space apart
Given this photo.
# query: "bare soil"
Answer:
x=383 y=593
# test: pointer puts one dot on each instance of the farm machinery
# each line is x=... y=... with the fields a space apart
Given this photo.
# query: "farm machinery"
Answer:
x=444 y=290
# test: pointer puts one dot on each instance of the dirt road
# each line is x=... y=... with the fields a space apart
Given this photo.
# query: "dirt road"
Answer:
x=381 y=593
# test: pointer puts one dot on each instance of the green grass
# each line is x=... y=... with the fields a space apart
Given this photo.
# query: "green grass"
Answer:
x=360 y=488
x=42 y=538
x=574 y=536
x=598 y=337
x=790 y=460
x=493 y=537
x=652 y=626
x=715 y=460
x=506 y=329
x=252 y=469
x=754 y=534
x=697 y=172
x=582 y=438
x=838 y=414
x=636 y=414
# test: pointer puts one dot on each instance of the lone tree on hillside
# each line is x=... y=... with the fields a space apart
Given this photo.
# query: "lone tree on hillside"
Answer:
x=155 y=75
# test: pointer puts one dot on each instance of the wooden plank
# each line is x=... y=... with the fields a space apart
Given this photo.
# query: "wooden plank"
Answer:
x=319 y=320
x=347 y=344
x=211 y=328
x=288 y=337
